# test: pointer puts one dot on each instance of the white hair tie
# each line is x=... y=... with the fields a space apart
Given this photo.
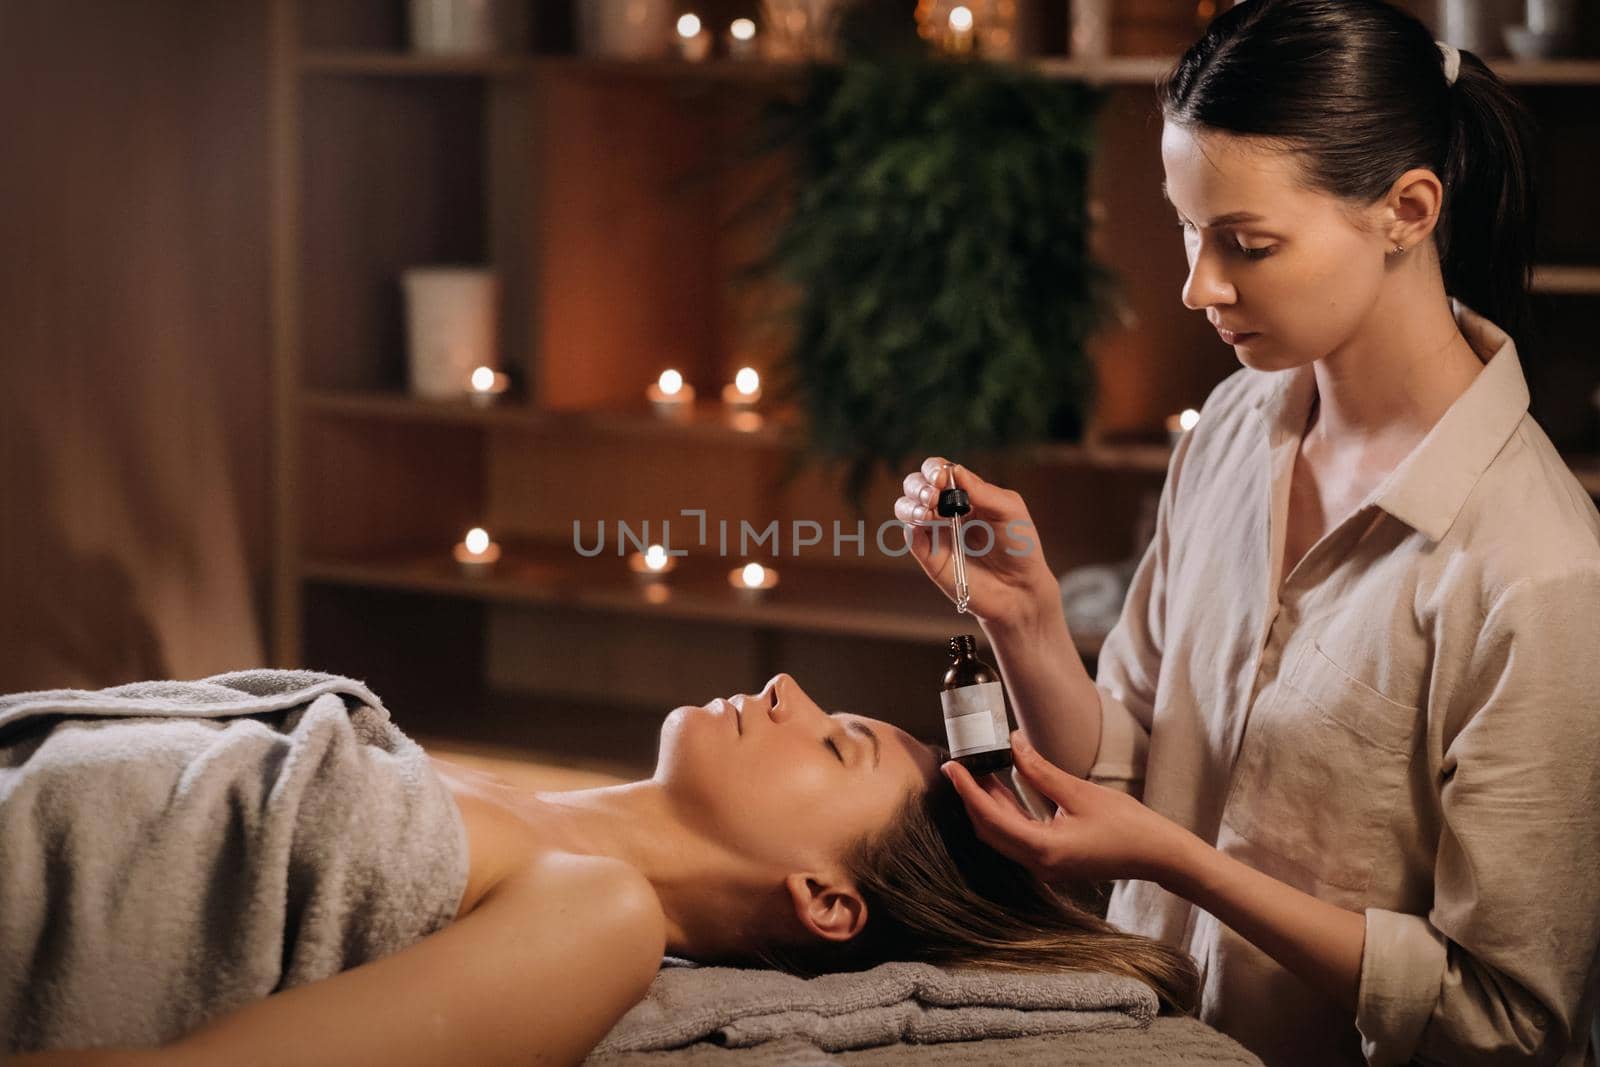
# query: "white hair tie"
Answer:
x=1452 y=61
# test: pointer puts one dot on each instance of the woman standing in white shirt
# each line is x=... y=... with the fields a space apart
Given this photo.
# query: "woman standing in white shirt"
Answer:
x=1344 y=742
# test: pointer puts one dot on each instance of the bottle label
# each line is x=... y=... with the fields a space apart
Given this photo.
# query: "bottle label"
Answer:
x=975 y=718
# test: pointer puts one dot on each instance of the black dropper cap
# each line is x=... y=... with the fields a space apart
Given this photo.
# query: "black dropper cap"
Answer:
x=963 y=645
x=953 y=502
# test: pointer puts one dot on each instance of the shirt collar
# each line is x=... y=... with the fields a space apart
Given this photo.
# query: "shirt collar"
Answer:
x=1426 y=491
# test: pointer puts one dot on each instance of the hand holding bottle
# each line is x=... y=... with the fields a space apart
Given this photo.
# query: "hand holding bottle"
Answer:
x=1097 y=834
x=1005 y=579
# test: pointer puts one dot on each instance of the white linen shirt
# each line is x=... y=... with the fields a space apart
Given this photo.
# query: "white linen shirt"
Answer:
x=1410 y=731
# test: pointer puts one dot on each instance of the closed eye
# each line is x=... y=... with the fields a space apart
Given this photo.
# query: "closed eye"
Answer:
x=1248 y=253
x=833 y=745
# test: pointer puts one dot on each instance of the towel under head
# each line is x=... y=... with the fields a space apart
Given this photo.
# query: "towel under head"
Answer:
x=893 y=1002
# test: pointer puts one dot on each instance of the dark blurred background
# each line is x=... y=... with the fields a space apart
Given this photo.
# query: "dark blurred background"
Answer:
x=214 y=453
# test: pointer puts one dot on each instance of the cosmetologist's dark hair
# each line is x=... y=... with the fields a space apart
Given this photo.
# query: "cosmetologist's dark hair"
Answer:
x=1357 y=89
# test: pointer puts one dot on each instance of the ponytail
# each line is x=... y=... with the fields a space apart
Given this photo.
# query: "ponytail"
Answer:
x=1487 y=224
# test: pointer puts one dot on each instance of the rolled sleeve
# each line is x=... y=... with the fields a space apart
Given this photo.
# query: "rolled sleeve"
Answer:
x=1401 y=968
x=1503 y=968
x=1124 y=745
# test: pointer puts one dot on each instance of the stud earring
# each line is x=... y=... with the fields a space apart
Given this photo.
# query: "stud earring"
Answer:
x=1398 y=249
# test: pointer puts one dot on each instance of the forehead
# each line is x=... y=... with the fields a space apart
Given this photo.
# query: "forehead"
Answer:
x=1210 y=173
x=898 y=746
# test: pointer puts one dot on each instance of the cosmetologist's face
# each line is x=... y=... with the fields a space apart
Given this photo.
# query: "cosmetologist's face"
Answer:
x=1300 y=276
x=783 y=782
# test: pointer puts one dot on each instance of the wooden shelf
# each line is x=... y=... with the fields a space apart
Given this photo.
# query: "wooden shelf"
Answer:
x=1114 y=70
x=1566 y=280
x=708 y=423
x=859 y=601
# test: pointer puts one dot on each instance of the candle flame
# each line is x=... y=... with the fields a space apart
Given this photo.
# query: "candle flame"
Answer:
x=747 y=381
x=754 y=574
x=688 y=25
x=483 y=379
x=477 y=540
x=655 y=557
x=742 y=29
x=1188 y=419
x=961 y=18
x=670 y=382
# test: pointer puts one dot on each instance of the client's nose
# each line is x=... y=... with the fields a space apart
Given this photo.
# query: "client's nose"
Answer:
x=775 y=692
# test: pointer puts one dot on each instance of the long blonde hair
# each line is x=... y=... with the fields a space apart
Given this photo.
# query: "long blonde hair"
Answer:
x=937 y=894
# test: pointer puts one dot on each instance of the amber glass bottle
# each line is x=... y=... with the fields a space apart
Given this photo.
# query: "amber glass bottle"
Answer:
x=975 y=710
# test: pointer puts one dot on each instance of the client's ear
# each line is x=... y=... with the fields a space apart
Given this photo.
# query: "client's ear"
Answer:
x=831 y=910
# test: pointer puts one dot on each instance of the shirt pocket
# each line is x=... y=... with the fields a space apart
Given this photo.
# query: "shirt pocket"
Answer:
x=1323 y=762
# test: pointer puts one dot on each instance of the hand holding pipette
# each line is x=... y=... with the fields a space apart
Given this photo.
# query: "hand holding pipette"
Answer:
x=1002 y=573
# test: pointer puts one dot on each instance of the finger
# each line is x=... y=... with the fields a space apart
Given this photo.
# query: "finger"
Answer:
x=933 y=470
x=1009 y=830
x=912 y=513
x=970 y=794
x=1046 y=777
x=985 y=496
x=996 y=786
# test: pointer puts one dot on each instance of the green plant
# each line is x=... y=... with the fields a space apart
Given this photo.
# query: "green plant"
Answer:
x=938 y=249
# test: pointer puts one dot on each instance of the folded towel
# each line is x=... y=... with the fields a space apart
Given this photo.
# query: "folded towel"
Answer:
x=1171 y=1041
x=173 y=849
x=910 y=1002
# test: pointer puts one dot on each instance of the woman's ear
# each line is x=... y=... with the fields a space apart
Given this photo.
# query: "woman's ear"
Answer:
x=832 y=910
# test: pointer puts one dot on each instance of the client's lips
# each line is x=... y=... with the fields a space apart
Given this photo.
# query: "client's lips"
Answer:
x=1229 y=337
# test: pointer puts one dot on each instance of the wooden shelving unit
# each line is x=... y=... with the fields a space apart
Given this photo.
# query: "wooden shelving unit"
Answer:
x=1119 y=70
x=568 y=176
x=861 y=602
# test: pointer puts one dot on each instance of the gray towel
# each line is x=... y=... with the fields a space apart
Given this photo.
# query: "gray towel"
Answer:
x=173 y=849
x=1171 y=1041
x=893 y=1002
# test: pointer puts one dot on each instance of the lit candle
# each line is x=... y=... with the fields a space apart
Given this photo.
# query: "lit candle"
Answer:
x=744 y=392
x=1178 y=425
x=961 y=36
x=742 y=38
x=486 y=386
x=693 y=42
x=476 y=555
x=752 y=580
x=670 y=395
x=652 y=564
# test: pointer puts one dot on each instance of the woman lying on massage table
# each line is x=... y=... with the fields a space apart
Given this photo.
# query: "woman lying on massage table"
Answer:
x=771 y=832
